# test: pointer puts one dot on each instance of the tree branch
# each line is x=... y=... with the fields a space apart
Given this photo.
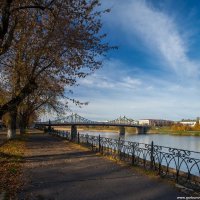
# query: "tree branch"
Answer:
x=28 y=89
x=33 y=7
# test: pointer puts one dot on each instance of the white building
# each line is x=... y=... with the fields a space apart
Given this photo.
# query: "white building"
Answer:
x=188 y=123
x=155 y=122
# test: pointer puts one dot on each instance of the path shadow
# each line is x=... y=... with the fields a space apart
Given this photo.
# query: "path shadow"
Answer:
x=59 y=156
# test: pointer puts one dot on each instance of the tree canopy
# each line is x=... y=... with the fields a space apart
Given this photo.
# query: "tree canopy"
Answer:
x=52 y=42
x=59 y=39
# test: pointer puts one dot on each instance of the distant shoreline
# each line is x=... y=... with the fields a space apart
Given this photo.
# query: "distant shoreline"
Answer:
x=161 y=131
x=167 y=131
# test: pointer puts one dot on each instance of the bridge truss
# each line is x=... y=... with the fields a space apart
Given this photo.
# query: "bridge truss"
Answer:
x=75 y=118
x=123 y=120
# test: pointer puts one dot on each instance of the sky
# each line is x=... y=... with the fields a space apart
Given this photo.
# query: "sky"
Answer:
x=155 y=73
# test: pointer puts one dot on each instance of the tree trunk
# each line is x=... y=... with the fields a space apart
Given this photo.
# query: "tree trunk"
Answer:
x=22 y=129
x=12 y=124
x=23 y=122
x=14 y=102
x=22 y=125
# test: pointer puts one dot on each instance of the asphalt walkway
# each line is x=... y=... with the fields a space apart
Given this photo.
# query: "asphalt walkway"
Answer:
x=56 y=169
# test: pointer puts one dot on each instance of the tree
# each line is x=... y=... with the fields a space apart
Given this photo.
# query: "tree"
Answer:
x=45 y=98
x=61 y=47
x=11 y=20
x=59 y=39
x=11 y=14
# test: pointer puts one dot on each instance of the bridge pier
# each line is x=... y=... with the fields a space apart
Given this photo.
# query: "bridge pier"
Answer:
x=73 y=132
x=122 y=131
x=49 y=126
x=141 y=130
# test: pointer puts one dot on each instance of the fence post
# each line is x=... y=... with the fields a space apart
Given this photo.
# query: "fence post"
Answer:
x=92 y=143
x=133 y=154
x=178 y=168
x=78 y=138
x=87 y=139
x=65 y=133
x=99 y=143
x=152 y=158
x=119 y=148
x=49 y=126
x=71 y=136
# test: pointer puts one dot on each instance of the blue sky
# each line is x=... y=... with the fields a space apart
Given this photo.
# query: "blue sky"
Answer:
x=155 y=71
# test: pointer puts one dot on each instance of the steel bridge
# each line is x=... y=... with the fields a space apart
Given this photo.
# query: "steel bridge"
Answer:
x=75 y=120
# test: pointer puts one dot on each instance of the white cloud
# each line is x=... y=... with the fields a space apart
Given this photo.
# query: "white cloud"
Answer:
x=130 y=83
x=139 y=107
x=118 y=89
x=158 y=31
x=113 y=76
x=114 y=91
x=87 y=81
x=126 y=83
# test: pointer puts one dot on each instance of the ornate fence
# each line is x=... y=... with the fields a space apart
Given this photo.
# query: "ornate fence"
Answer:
x=181 y=165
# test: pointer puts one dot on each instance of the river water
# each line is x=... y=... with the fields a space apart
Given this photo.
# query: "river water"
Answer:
x=191 y=143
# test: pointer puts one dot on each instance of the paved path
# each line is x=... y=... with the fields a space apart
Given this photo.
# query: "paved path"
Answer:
x=57 y=169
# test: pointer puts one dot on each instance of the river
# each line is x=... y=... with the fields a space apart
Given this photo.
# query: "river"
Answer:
x=191 y=143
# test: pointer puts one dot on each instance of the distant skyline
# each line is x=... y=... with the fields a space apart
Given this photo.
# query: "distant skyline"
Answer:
x=155 y=72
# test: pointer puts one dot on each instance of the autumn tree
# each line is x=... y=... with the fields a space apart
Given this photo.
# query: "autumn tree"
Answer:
x=62 y=45
x=43 y=100
x=60 y=39
x=11 y=13
x=11 y=20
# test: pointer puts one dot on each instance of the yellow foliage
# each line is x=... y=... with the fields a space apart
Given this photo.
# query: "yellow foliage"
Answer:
x=182 y=127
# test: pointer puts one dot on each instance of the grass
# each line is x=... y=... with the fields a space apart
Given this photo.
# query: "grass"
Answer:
x=167 y=130
x=11 y=157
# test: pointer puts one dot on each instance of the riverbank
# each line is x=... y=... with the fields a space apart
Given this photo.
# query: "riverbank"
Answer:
x=86 y=129
x=153 y=130
x=97 y=129
x=167 y=130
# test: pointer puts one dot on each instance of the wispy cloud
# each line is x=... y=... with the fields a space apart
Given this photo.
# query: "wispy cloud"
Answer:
x=121 y=88
x=158 y=31
x=113 y=76
x=146 y=96
x=97 y=81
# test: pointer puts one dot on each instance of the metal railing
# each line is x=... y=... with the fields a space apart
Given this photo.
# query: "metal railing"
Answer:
x=181 y=165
